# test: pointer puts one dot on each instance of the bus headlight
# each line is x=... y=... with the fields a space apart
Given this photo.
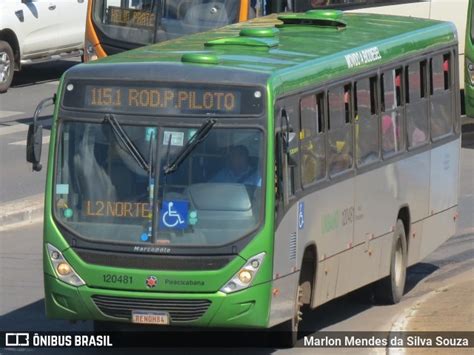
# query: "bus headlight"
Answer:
x=470 y=71
x=244 y=277
x=63 y=270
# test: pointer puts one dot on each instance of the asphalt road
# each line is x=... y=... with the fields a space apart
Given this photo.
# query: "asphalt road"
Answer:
x=17 y=106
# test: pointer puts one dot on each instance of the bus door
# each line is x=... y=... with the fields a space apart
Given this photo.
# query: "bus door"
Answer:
x=287 y=188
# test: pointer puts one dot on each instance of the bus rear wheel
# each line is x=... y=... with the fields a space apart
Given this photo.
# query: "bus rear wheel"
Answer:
x=390 y=289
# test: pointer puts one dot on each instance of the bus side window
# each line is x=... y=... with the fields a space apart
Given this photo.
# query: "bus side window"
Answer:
x=290 y=164
x=416 y=107
x=339 y=129
x=391 y=113
x=441 y=96
x=313 y=150
x=366 y=122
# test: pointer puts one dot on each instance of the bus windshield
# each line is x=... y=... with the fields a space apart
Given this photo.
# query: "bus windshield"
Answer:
x=103 y=194
x=151 y=21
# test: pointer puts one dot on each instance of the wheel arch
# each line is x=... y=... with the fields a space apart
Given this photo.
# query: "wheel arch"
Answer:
x=404 y=216
x=308 y=273
x=10 y=37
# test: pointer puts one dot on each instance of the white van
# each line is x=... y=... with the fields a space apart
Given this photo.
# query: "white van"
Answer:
x=33 y=31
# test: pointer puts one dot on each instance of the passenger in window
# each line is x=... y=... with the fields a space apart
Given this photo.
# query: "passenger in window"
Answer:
x=446 y=73
x=341 y=154
x=238 y=170
x=417 y=137
x=398 y=86
x=313 y=162
x=340 y=142
x=388 y=134
x=440 y=120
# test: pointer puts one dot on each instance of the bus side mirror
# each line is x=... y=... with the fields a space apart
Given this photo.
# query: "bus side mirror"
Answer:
x=34 y=143
x=34 y=140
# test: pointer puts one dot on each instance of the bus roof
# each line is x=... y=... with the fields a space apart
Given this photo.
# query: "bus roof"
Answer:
x=308 y=47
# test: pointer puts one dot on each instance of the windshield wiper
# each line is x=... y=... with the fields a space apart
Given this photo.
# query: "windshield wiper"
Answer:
x=197 y=138
x=123 y=138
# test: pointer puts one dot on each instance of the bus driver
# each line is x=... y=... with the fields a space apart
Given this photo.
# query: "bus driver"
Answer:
x=238 y=170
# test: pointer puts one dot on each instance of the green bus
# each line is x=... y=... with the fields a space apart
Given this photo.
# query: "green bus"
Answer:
x=469 y=67
x=241 y=177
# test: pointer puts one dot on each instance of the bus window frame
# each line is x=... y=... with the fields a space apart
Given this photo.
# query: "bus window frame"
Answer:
x=321 y=132
x=344 y=83
x=423 y=99
x=451 y=90
x=374 y=74
x=400 y=108
x=281 y=107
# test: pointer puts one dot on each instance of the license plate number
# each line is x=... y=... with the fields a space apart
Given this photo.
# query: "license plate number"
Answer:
x=150 y=317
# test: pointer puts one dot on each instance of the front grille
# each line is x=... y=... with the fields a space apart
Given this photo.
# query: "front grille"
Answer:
x=179 y=310
x=154 y=262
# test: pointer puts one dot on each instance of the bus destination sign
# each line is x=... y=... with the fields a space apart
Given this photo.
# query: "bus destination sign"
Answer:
x=164 y=100
x=130 y=18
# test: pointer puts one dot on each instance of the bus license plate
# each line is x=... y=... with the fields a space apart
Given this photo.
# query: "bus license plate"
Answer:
x=150 y=317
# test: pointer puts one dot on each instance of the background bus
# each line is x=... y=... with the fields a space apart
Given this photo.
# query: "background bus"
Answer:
x=469 y=63
x=116 y=25
x=113 y=26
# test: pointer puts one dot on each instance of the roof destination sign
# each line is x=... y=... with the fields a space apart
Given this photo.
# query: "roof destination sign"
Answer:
x=364 y=56
x=163 y=100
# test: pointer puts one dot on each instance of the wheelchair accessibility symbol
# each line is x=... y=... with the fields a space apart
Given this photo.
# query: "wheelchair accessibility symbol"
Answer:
x=174 y=214
x=300 y=215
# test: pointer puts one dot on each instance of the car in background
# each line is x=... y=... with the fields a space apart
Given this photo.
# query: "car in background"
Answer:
x=34 y=31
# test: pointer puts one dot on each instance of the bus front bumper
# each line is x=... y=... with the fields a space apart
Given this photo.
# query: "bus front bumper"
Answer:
x=248 y=308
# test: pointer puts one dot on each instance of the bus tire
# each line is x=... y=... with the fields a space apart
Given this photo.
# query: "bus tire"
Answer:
x=7 y=66
x=389 y=290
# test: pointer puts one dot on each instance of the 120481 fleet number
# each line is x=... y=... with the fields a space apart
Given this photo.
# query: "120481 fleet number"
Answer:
x=118 y=279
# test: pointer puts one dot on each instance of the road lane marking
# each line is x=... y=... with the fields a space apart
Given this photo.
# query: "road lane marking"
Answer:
x=21 y=127
x=23 y=142
x=13 y=129
x=5 y=114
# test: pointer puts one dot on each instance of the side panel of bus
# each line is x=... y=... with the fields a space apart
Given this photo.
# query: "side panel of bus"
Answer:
x=350 y=218
x=469 y=61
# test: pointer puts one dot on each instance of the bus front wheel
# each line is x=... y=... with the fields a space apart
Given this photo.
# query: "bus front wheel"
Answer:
x=390 y=289
x=286 y=334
